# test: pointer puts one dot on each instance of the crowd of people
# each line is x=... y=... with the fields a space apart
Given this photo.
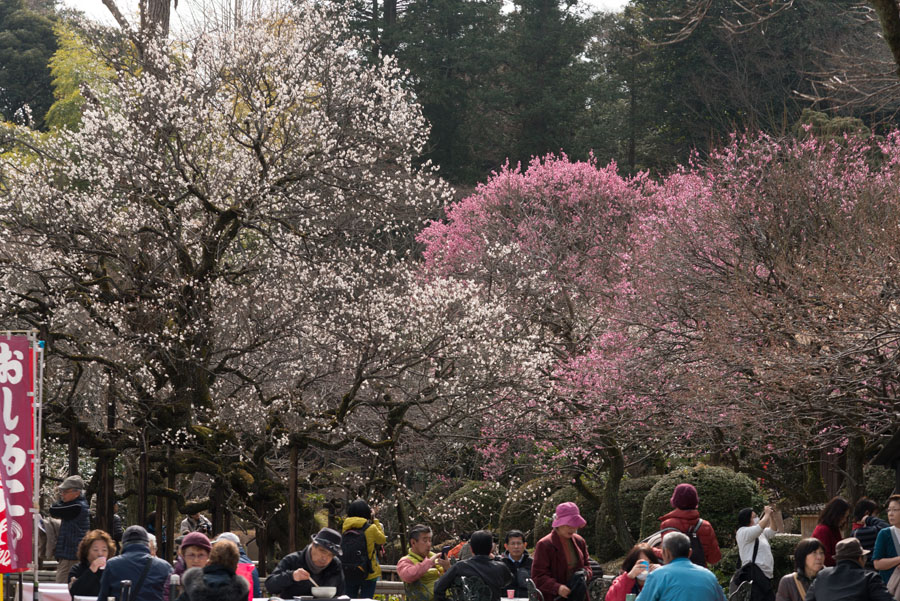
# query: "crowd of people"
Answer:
x=672 y=565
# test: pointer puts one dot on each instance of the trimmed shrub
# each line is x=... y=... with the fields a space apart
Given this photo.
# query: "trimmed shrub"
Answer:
x=474 y=506
x=722 y=493
x=521 y=506
x=632 y=493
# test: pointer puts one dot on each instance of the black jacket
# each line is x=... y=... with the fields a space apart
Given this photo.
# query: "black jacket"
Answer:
x=493 y=573
x=213 y=583
x=129 y=566
x=281 y=582
x=87 y=583
x=520 y=572
x=848 y=581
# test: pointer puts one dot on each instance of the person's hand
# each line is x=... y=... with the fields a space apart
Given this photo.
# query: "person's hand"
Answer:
x=98 y=564
x=443 y=562
x=639 y=568
x=300 y=574
x=564 y=591
x=768 y=510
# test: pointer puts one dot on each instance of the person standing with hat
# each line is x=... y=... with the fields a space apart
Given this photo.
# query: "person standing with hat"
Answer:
x=75 y=521
x=848 y=580
x=560 y=567
x=684 y=517
x=148 y=574
x=318 y=561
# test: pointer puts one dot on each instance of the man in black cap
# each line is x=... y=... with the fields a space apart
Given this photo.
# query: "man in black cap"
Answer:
x=492 y=574
x=848 y=580
x=318 y=561
x=148 y=574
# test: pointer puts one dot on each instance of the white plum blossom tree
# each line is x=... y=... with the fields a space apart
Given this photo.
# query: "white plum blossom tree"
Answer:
x=228 y=237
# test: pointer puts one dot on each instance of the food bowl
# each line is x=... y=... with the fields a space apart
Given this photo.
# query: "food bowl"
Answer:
x=324 y=592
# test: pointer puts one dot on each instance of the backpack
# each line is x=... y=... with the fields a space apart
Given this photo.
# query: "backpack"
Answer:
x=355 y=554
x=698 y=555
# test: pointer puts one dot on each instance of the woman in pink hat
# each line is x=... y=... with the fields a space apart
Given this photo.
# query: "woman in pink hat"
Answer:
x=560 y=554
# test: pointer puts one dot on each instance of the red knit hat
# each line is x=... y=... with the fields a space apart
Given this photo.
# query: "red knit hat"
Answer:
x=685 y=497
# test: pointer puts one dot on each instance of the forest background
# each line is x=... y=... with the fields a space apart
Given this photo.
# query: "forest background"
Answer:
x=364 y=319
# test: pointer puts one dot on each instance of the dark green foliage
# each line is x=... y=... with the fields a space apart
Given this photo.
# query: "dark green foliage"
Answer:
x=545 y=76
x=521 y=506
x=26 y=45
x=824 y=127
x=879 y=484
x=452 y=50
x=631 y=499
x=722 y=492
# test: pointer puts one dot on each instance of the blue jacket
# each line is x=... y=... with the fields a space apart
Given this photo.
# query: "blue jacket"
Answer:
x=257 y=589
x=681 y=580
x=75 y=521
x=129 y=566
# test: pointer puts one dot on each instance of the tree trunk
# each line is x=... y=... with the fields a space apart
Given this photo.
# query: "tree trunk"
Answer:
x=292 y=499
x=262 y=542
x=143 y=485
x=155 y=15
x=73 y=448
x=172 y=516
x=855 y=457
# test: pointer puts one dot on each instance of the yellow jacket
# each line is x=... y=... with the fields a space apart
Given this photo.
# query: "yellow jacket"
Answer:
x=374 y=536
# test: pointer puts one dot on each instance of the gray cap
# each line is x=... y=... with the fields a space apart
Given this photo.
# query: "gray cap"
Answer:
x=135 y=534
x=72 y=483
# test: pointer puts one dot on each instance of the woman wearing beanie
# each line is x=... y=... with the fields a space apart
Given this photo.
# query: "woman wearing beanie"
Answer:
x=684 y=517
x=361 y=575
x=560 y=555
x=217 y=581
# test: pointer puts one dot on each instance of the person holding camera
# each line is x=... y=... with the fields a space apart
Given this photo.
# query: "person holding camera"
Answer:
x=196 y=522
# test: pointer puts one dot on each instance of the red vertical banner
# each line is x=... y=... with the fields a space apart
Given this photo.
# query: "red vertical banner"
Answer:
x=16 y=453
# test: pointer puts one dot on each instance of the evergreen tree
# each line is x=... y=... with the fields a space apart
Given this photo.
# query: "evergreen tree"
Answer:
x=546 y=76
x=452 y=50
x=26 y=45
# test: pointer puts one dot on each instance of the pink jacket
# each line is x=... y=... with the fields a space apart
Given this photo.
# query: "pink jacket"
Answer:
x=621 y=586
x=412 y=572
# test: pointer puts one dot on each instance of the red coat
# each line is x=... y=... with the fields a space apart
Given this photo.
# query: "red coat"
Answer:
x=549 y=569
x=621 y=586
x=829 y=539
x=684 y=520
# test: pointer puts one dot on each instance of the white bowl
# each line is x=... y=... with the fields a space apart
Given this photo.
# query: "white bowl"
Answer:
x=324 y=592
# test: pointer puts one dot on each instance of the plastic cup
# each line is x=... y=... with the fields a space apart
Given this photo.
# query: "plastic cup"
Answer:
x=510 y=593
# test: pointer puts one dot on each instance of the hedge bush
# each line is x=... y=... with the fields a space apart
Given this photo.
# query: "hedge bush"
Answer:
x=722 y=493
x=474 y=506
x=632 y=493
x=522 y=505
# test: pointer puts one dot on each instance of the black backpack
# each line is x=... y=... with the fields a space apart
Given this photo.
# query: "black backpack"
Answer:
x=698 y=556
x=355 y=554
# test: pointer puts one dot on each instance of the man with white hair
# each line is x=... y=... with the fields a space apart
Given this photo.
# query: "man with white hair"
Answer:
x=75 y=521
x=679 y=579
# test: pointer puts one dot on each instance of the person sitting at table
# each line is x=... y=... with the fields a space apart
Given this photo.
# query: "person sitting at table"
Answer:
x=517 y=561
x=94 y=548
x=421 y=568
x=318 y=561
x=147 y=574
x=217 y=580
x=492 y=574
